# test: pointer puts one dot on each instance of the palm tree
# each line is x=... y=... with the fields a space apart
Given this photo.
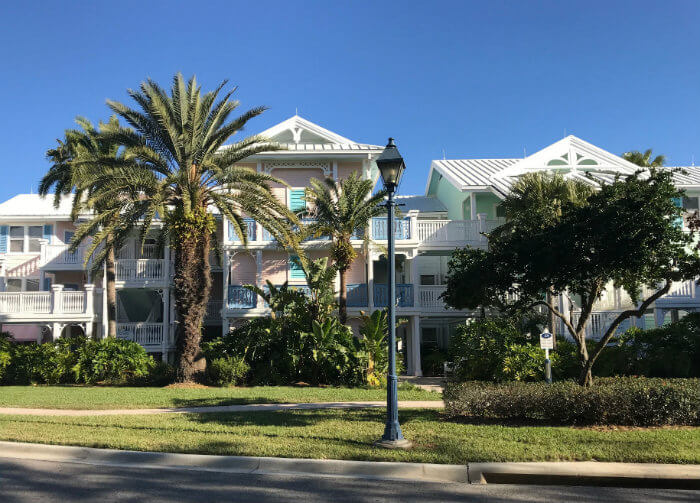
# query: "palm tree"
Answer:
x=340 y=209
x=178 y=139
x=67 y=175
x=537 y=199
x=644 y=159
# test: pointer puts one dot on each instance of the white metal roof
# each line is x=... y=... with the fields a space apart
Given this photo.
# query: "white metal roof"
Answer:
x=34 y=205
x=423 y=204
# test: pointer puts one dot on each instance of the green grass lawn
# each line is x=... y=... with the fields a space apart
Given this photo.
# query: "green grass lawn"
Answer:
x=87 y=397
x=348 y=434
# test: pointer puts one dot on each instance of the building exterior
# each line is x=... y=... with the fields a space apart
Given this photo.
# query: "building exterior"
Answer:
x=47 y=292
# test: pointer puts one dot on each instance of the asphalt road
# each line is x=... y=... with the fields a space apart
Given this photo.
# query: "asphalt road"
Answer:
x=45 y=481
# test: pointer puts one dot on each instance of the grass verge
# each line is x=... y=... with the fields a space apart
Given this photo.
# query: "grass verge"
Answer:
x=95 y=397
x=348 y=434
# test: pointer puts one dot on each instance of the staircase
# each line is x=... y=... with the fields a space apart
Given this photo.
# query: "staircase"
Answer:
x=25 y=269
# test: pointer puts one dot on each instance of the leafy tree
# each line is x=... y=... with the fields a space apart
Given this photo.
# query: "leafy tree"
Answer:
x=644 y=159
x=535 y=202
x=341 y=209
x=627 y=235
x=179 y=142
x=79 y=165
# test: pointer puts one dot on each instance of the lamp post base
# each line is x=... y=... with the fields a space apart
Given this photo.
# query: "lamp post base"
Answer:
x=394 y=444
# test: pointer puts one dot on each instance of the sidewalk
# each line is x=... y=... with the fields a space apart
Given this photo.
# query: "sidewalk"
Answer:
x=559 y=473
x=266 y=407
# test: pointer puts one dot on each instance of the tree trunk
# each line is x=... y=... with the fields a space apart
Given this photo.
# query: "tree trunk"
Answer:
x=552 y=317
x=192 y=283
x=585 y=377
x=111 y=291
x=343 y=298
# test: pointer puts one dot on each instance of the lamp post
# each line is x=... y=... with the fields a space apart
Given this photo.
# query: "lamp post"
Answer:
x=391 y=167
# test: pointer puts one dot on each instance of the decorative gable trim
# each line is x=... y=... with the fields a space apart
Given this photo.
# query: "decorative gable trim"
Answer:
x=326 y=166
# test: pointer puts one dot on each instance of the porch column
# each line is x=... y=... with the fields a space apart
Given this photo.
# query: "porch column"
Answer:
x=659 y=315
x=414 y=364
x=258 y=268
x=472 y=203
x=415 y=279
x=89 y=299
x=165 y=297
x=56 y=298
x=88 y=329
x=2 y=274
x=104 y=319
x=370 y=282
x=56 y=330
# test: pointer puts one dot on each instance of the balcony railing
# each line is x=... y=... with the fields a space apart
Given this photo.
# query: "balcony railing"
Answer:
x=404 y=295
x=146 y=334
x=141 y=270
x=241 y=298
x=250 y=231
x=454 y=231
x=357 y=295
x=60 y=257
x=41 y=305
x=402 y=228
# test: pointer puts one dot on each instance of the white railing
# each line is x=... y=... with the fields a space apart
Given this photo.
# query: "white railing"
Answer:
x=140 y=269
x=437 y=231
x=146 y=334
x=684 y=289
x=72 y=302
x=59 y=255
x=429 y=297
x=25 y=302
x=27 y=268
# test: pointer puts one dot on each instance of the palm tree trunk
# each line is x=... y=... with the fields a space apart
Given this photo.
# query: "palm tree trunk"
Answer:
x=192 y=283
x=343 y=298
x=111 y=290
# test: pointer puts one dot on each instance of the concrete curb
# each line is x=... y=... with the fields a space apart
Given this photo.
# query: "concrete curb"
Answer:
x=559 y=473
x=236 y=464
x=257 y=407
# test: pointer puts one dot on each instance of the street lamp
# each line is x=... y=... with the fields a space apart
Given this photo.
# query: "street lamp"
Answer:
x=391 y=167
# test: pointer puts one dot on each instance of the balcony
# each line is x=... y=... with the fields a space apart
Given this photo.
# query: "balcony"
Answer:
x=56 y=305
x=146 y=334
x=455 y=232
x=240 y=297
x=404 y=295
x=59 y=258
x=141 y=270
x=357 y=295
x=402 y=229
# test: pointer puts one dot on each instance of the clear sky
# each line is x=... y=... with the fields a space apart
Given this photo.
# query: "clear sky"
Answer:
x=475 y=79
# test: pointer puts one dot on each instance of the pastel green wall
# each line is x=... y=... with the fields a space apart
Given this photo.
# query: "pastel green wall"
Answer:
x=452 y=198
x=485 y=203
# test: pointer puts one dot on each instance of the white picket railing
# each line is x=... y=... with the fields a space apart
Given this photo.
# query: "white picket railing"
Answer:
x=25 y=302
x=437 y=231
x=146 y=334
x=59 y=255
x=140 y=269
x=684 y=289
x=27 y=268
x=429 y=297
x=72 y=302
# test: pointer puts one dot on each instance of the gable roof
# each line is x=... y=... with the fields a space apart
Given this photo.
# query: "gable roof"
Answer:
x=571 y=156
x=298 y=134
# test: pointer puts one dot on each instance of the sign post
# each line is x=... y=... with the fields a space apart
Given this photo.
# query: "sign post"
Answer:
x=547 y=343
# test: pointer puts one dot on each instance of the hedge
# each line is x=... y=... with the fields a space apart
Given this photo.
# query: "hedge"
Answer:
x=610 y=401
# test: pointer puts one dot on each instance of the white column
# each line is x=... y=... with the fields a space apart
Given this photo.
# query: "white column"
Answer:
x=89 y=299
x=415 y=279
x=88 y=329
x=472 y=202
x=414 y=366
x=335 y=170
x=56 y=298
x=165 y=297
x=104 y=320
x=56 y=330
x=370 y=281
x=258 y=268
x=413 y=223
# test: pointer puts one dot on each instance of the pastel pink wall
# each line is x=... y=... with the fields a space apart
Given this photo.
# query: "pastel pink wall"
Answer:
x=345 y=168
x=356 y=273
x=243 y=269
x=298 y=177
x=274 y=267
x=61 y=228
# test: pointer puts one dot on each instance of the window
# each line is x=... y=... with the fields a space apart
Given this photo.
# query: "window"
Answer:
x=32 y=285
x=17 y=239
x=691 y=203
x=68 y=236
x=35 y=233
x=429 y=337
x=427 y=279
x=296 y=200
x=14 y=285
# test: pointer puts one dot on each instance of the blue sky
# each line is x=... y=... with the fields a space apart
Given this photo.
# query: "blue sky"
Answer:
x=477 y=79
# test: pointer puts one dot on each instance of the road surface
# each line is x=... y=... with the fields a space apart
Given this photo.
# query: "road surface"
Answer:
x=47 y=481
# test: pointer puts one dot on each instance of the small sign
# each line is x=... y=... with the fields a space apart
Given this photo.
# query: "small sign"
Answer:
x=546 y=341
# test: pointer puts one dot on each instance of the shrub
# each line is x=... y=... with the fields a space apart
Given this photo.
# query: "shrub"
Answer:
x=37 y=364
x=496 y=349
x=228 y=371
x=433 y=362
x=5 y=353
x=611 y=401
x=112 y=361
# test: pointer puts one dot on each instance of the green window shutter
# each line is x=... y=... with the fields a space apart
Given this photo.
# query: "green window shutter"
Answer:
x=48 y=232
x=295 y=269
x=296 y=200
x=3 y=238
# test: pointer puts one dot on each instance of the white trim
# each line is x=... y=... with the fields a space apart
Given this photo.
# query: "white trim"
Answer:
x=297 y=124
